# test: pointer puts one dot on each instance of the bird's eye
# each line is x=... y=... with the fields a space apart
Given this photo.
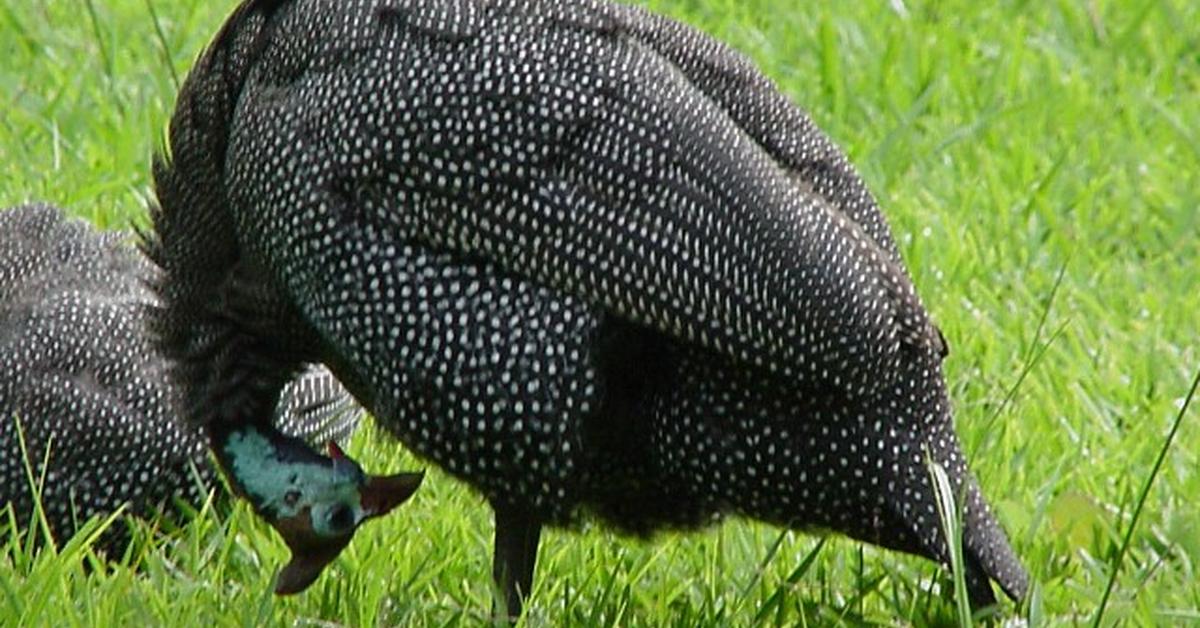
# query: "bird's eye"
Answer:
x=340 y=518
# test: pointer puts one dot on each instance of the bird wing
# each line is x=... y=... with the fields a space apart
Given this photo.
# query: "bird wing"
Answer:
x=316 y=408
x=563 y=148
x=755 y=104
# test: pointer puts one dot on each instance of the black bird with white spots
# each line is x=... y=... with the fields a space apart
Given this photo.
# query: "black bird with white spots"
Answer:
x=87 y=411
x=584 y=258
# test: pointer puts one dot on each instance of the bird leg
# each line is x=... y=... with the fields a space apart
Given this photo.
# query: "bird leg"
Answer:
x=517 y=533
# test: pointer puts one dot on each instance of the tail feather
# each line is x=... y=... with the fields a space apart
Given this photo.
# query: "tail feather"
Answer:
x=987 y=554
x=923 y=431
x=988 y=551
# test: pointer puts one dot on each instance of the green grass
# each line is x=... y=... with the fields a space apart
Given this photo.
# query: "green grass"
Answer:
x=1039 y=164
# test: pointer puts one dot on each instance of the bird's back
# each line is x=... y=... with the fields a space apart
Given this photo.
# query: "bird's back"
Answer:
x=78 y=383
x=612 y=156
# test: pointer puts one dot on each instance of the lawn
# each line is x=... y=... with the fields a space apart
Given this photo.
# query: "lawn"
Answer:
x=1039 y=164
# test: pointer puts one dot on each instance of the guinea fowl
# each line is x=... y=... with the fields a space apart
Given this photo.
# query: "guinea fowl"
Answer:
x=86 y=411
x=582 y=257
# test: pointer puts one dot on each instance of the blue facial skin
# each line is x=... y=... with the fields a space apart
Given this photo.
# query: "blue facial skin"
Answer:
x=314 y=502
x=283 y=478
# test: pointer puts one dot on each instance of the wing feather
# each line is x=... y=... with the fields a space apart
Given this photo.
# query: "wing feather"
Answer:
x=596 y=157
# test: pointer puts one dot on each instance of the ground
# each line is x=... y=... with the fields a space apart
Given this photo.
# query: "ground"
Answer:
x=1038 y=163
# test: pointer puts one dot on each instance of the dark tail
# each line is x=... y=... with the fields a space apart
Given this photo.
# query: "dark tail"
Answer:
x=922 y=423
x=987 y=554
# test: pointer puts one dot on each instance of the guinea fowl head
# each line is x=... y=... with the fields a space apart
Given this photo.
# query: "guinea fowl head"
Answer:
x=315 y=503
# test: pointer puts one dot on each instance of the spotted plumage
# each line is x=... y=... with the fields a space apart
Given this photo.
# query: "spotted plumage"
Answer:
x=584 y=258
x=84 y=389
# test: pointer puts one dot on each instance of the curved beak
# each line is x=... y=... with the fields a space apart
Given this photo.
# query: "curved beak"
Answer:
x=382 y=493
x=311 y=552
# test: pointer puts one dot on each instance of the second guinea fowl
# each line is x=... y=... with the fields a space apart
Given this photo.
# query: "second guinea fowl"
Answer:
x=87 y=412
x=582 y=257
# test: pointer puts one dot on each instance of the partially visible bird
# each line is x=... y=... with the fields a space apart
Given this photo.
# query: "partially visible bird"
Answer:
x=88 y=414
x=583 y=257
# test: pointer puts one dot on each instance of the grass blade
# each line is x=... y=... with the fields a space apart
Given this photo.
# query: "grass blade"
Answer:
x=949 y=513
x=1137 y=510
x=105 y=57
x=162 y=43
